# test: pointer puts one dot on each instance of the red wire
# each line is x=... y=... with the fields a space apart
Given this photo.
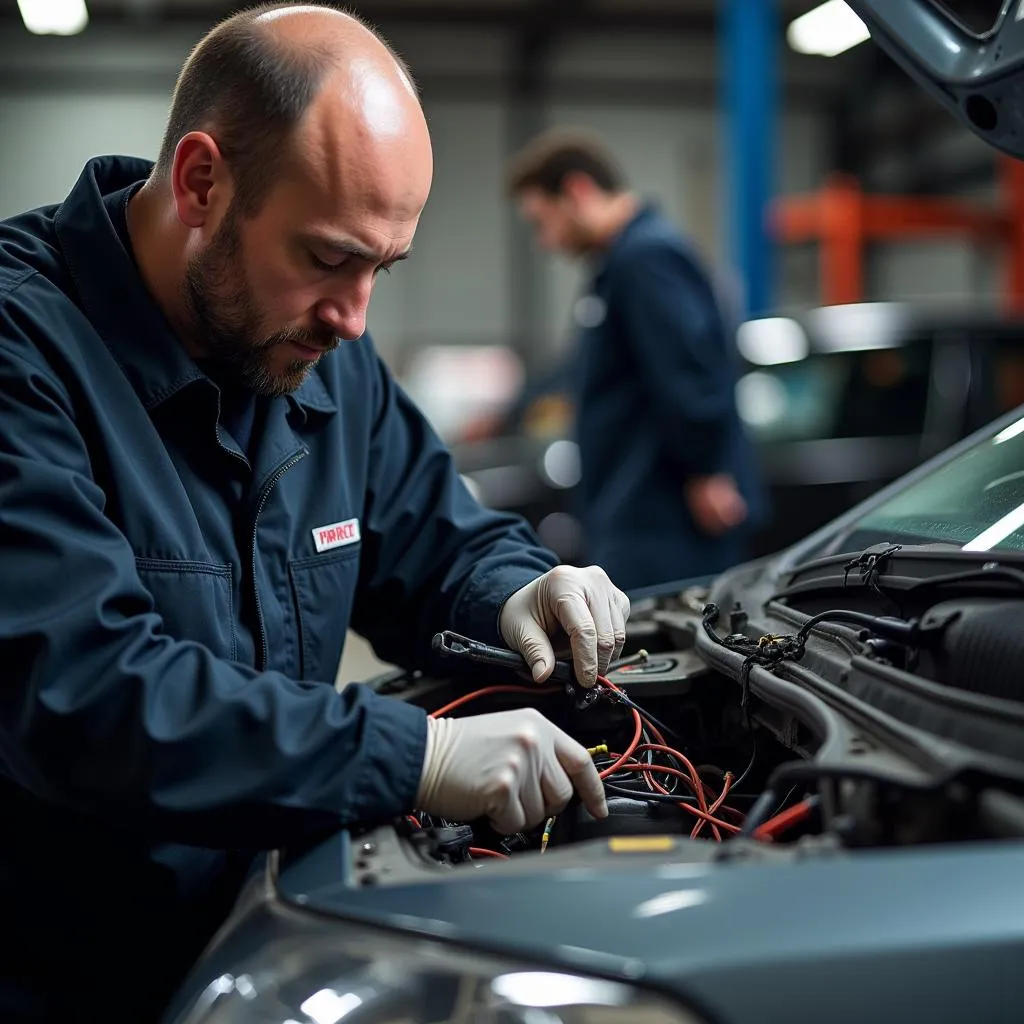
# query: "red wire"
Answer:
x=479 y=851
x=726 y=786
x=640 y=724
x=664 y=748
x=488 y=691
x=637 y=734
x=695 y=780
x=774 y=827
x=696 y=812
x=634 y=744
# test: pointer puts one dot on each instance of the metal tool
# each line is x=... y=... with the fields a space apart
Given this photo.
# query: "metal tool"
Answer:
x=452 y=645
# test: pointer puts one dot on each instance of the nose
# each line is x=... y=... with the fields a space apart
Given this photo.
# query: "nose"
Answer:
x=345 y=311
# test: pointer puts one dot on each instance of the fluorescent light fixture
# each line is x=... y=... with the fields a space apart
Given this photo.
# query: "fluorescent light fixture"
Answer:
x=54 y=17
x=859 y=327
x=828 y=30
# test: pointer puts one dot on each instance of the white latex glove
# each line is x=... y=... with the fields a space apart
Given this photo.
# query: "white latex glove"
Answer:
x=515 y=767
x=582 y=603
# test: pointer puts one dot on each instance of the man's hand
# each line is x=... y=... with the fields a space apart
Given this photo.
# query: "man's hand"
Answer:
x=715 y=503
x=515 y=767
x=581 y=603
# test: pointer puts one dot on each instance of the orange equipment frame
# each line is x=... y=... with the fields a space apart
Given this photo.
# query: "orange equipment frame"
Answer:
x=844 y=220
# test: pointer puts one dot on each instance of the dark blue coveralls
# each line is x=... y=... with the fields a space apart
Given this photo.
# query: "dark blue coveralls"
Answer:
x=656 y=381
x=179 y=568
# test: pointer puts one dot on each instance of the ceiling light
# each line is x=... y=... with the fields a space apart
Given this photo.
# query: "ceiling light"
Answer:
x=772 y=340
x=54 y=17
x=859 y=327
x=828 y=30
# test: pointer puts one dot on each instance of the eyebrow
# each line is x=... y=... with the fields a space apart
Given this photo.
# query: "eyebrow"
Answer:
x=347 y=247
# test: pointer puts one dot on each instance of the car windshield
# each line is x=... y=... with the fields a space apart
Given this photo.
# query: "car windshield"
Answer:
x=975 y=503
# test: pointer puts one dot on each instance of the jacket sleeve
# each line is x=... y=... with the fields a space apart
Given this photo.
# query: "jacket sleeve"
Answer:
x=665 y=308
x=433 y=557
x=104 y=713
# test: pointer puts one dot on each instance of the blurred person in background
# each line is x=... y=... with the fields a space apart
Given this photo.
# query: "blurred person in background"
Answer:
x=669 y=488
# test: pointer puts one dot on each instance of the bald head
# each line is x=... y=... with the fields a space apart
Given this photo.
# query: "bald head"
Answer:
x=294 y=169
x=251 y=82
x=310 y=25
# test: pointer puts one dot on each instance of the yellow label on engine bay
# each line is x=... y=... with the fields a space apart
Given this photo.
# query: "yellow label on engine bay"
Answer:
x=641 y=844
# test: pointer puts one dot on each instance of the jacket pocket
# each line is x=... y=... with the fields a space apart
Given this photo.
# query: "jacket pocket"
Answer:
x=324 y=587
x=195 y=601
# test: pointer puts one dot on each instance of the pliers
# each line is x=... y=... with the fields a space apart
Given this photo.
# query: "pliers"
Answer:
x=452 y=645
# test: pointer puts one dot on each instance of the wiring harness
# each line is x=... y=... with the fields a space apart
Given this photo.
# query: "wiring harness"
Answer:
x=648 y=769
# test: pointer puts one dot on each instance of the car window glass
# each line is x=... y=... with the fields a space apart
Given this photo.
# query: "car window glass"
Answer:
x=975 y=502
x=999 y=387
x=875 y=393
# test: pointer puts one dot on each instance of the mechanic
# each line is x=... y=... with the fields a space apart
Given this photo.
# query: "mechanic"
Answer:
x=206 y=473
x=669 y=488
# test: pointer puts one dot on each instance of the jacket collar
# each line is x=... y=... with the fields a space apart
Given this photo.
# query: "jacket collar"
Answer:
x=116 y=299
x=645 y=213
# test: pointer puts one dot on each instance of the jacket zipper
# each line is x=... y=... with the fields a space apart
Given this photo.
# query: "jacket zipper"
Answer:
x=264 y=496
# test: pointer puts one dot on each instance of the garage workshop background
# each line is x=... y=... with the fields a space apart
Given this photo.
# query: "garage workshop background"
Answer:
x=666 y=82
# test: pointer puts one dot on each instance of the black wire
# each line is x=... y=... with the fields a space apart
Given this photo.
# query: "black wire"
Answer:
x=782 y=804
x=808 y=771
x=660 y=726
x=649 y=757
x=797 y=772
x=647 y=795
x=869 y=564
x=758 y=814
x=629 y=659
x=769 y=651
x=899 y=630
x=750 y=767
x=1002 y=572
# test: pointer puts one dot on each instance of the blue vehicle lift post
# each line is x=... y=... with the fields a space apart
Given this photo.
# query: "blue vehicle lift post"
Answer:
x=749 y=57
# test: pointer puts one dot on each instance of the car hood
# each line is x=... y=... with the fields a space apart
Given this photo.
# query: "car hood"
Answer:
x=730 y=935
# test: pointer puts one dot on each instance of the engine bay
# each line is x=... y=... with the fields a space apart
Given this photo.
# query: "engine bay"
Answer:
x=711 y=744
x=663 y=701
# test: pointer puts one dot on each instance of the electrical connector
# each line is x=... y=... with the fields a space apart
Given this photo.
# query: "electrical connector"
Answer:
x=546 y=835
x=451 y=843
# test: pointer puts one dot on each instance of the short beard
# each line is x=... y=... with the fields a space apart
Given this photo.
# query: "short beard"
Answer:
x=224 y=321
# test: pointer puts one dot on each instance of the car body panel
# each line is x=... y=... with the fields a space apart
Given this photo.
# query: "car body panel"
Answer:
x=974 y=75
x=931 y=935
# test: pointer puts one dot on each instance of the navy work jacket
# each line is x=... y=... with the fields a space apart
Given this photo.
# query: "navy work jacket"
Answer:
x=173 y=611
x=656 y=405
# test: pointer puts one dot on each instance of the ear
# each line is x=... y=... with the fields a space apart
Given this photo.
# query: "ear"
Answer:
x=577 y=187
x=200 y=181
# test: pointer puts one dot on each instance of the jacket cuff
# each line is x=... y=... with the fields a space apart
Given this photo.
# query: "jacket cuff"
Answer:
x=395 y=745
x=479 y=608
